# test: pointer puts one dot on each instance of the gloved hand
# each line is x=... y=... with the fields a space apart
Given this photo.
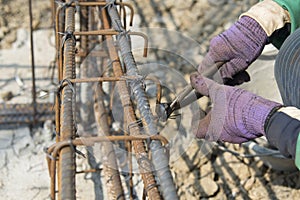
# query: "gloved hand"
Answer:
x=237 y=48
x=236 y=116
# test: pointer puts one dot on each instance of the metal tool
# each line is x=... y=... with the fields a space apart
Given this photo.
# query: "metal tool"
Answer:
x=187 y=96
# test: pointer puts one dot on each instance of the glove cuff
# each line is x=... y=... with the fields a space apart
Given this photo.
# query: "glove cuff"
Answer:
x=270 y=15
x=272 y=112
x=259 y=110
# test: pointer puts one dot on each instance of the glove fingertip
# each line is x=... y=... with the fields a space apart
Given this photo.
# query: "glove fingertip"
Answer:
x=199 y=84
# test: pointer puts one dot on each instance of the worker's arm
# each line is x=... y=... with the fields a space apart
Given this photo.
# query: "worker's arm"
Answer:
x=293 y=7
x=282 y=131
x=274 y=15
x=238 y=116
x=244 y=41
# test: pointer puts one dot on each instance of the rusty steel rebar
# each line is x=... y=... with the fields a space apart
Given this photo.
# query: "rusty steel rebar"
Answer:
x=14 y=114
x=59 y=28
x=53 y=151
x=113 y=32
x=67 y=164
x=145 y=165
x=110 y=165
x=84 y=22
x=61 y=155
x=159 y=156
x=86 y=104
x=103 y=3
x=32 y=63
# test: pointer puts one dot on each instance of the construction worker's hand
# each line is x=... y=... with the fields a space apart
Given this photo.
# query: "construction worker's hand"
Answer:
x=244 y=41
x=236 y=116
x=236 y=48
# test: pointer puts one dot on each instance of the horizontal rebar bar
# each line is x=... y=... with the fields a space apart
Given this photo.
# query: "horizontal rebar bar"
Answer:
x=53 y=150
x=22 y=113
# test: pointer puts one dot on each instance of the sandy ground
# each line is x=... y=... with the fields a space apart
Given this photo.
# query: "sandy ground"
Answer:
x=23 y=167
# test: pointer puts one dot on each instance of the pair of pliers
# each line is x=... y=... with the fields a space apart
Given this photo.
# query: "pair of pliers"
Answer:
x=187 y=96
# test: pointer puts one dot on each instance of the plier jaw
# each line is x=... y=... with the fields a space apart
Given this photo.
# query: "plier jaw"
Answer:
x=186 y=97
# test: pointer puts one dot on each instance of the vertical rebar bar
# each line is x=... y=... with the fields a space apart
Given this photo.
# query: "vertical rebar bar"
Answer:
x=110 y=166
x=32 y=63
x=159 y=156
x=139 y=148
x=67 y=189
x=66 y=163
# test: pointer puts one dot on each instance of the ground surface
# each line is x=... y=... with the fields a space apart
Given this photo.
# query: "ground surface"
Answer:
x=199 y=174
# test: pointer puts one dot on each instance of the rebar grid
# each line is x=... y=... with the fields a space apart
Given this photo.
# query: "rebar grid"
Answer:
x=54 y=151
x=61 y=156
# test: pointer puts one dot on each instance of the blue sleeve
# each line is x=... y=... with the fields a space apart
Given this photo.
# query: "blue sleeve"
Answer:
x=282 y=132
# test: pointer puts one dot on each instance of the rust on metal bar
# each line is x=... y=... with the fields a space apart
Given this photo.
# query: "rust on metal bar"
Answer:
x=58 y=30
x=97 y=32
x=93 y=53
x=145 y=41
x=91 y=141
x=110 y=164
x=113 y=32
x=59 y=26
x=57 y=147
x=58 y=39
x=103 y=79
x=145 y=167
x=158 y=87
x=67 y=162
x=65 y=108
x=32 y=64
x=89 y=171
x=99 y=3
x=14 y=114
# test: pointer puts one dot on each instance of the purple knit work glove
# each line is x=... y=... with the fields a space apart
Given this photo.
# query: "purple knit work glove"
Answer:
x=236 y=116
x=237 y=48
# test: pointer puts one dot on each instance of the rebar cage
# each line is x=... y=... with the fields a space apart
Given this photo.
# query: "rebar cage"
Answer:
x=79 y=27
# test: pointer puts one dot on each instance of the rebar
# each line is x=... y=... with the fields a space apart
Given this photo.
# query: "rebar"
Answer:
x=159 y=156
x=67 y=164
x=145 y=166
x=61 y=156
x=14 y=114
x=52 y=151
x=32 y=64
x=110 y=167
